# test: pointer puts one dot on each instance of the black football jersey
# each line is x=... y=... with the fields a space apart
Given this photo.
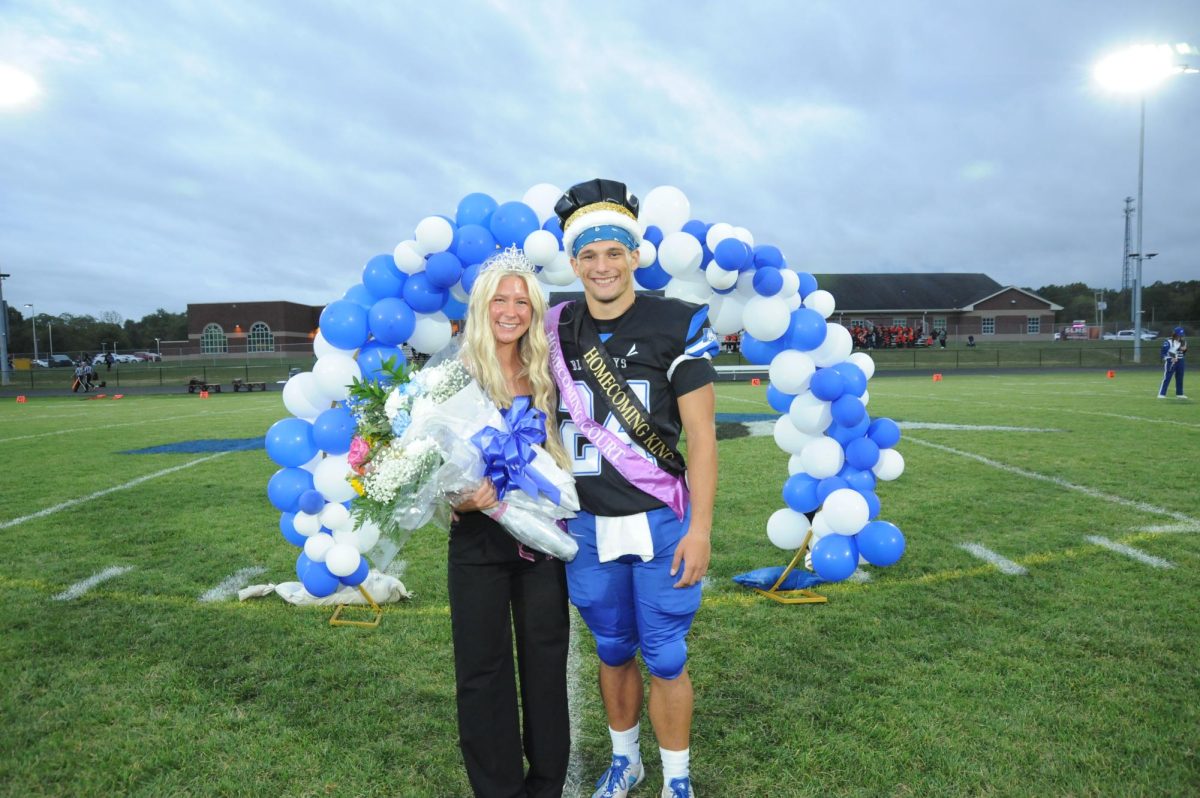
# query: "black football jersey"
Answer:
x=663 y=349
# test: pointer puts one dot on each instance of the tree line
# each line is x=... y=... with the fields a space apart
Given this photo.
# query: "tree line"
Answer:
x=1164 y=304
x=70 y=334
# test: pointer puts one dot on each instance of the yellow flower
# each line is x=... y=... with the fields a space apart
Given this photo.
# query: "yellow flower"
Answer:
x=358 y=486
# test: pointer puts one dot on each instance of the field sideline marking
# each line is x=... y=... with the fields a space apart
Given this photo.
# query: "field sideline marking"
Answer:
x=1130 y=551
x=79 y=588
x=232 y=584
x=119 y=424
x=574 y=783
x=1060 y=482
x=132 y=483
x=759 y=402
x=1005 y=565
x=1059 y=409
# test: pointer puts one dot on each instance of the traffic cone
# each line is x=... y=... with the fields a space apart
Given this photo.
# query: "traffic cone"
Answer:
x=21 y=399
x=937 y=377
x=1111 y=374
x=204 y=394
x=118 y=396
x=755 y=381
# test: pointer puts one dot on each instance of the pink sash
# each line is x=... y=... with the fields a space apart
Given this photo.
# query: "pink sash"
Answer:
x=645 y=476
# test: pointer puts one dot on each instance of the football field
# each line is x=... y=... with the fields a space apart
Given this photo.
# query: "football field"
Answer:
x=1040 y=635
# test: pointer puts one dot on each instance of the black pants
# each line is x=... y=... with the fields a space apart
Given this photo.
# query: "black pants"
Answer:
x=494 y=590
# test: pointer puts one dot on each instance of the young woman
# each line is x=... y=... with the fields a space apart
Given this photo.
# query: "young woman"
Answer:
x=498 y=587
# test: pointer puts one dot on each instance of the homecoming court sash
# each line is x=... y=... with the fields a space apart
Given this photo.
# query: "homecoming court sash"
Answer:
x=669 y=487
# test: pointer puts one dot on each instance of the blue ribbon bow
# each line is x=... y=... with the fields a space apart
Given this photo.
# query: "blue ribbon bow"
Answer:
x=507 y=454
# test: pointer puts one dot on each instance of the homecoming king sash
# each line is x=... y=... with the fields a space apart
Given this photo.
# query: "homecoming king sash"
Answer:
x=670 y=489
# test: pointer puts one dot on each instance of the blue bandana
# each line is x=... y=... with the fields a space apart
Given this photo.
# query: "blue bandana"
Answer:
x=603 y=232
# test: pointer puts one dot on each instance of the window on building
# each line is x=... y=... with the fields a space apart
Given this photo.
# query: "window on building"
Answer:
x=987 y=325
x=1033 y=324
x=899 y=322
x=939 y=323
x=260 y=339
x=213 y=340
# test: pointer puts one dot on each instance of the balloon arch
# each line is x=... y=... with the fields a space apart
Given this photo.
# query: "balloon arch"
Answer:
x=819 y=387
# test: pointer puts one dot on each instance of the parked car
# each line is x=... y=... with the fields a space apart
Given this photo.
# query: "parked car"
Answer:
x=153 y=357
x=40 y=363
x=1127 y=335
x=60 y=361
x=126 y=359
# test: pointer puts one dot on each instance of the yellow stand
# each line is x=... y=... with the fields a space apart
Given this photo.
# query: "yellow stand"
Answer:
x=374 y=609
x=802 y=596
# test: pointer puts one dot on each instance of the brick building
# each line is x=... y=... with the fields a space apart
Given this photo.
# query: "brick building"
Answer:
x=250 y=327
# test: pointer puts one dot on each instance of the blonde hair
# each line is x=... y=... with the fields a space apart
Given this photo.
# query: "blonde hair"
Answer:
x=479 y=353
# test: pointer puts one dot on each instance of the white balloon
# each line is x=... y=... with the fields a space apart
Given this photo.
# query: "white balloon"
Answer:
x=791 y=283
x=431 y=334
x=716 y=234
x=695 y=291
x=557 y=274
x=793 y=301
x=788 y=438
x=822 y=457
x=307 y=524
x=725 y=313
x=766 y=317
x=864 y=362
x=317 y=546
x=322 y=347
x=820 y=301
x=835 y=348
x=368 y=536
x=794 y=465
x=295 y=396
x=647 y=253
x=332 y=479
x=820 y=526
x=541 y=247
x=744 y=235
x=335 y=373
x=718 y=278
x=680 y=254
x=786 y=528
x=791 y=371
x=342 y=559
x=311 y=465
x=865 y=398
x=846 y=511
x=459 y=293
x=335 y=517
x=665 y=207
x=542 y=198
x=408 y=257
x=433 y=234
x=890 y=465
x=810 y=414
x=346 y=535
x=745 y=284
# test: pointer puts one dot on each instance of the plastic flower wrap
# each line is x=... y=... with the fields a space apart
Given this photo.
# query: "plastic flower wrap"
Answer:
x=434 y=433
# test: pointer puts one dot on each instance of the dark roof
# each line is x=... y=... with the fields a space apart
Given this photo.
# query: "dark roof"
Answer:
x=874 y=292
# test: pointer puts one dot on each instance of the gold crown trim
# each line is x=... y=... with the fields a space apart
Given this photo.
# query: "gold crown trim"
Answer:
x=598 y=206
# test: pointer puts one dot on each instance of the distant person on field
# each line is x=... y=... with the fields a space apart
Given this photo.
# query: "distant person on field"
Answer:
x=108 y=361
x=1172 y=352
x=942 y=338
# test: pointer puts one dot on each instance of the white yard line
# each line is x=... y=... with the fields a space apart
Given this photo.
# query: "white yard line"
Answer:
x=760 y=402
x=859 y=576
x=969 y=427
x=141 y=423
x=131 y=484
x=1130 y=551
x=232 y=584
x=79 y=588
x=1170 y=529
x=958 y=400
x=1062 y=483
x=1003 y=564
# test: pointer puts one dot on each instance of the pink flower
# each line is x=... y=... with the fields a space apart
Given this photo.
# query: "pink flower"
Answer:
x=359 y=449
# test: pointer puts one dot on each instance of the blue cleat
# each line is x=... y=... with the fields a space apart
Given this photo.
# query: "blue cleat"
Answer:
x=619 y=779
x=678 y=788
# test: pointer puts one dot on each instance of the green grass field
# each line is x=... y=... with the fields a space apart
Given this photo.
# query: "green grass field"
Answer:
x=939 y=676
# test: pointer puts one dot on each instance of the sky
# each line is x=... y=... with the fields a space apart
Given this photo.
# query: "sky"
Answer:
x=213 y=151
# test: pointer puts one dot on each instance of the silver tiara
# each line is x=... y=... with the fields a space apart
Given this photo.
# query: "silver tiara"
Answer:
x=509 y=260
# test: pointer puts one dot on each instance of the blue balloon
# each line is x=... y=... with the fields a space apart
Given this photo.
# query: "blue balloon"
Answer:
x=653 y=234
x=732 y=254
x=475 y=244
x=826 y=385
x=800 y=493
x=469 y=276
x=311 y=502
x=806 y=330
x=885 y=433
x=475 y=209
x=423 y=297
x=862 y=453
x=848 y=410
x=761 y=352
x=697 y=230
x=286 y=485
x=652 y=277
x=880 y=543
x=392 y=321
x=859 y=480
x=853 y=378
x=360 y=574
x=443 y=269
x=288 y=529
x=455 y=309
x=333 y=430
x=372 y=357
x=359 y=295
x=779 y=401
x=844 y=435
x=555 y=226
x=768 y=281
x=512 y=222
x=302 y=565
x=808 y=283
x=834 y=557
x=316 y=579
x=289 y=442
x=828 y=485
x=381 y=277
x=873 y=504
x=344 y=324
x=768 y=255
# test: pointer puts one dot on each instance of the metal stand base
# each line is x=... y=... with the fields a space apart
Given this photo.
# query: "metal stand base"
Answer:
x=373 y=608
x=802 y=596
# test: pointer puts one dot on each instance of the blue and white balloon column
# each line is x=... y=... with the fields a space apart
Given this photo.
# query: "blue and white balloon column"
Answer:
x=411 y=294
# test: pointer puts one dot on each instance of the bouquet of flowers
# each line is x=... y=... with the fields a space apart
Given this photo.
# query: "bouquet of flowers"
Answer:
x=425 y=435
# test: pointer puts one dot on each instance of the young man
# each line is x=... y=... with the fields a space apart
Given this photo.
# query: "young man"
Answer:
x=632 y=371
x=1172 y=354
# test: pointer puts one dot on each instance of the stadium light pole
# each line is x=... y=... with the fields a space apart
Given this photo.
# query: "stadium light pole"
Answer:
x=1136 y=70
x=33 y=325
x=4 y=368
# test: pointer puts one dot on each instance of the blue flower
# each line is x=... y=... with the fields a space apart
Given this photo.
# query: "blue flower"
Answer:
x=400 y=423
